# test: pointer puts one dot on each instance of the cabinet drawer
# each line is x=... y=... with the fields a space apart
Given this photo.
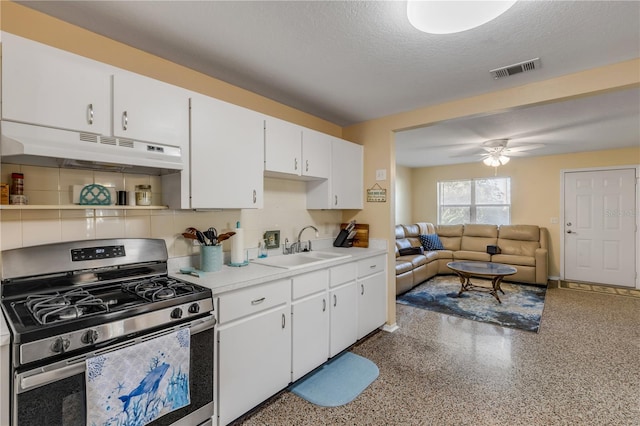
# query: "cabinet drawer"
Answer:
x=306 y=284
x=342 y=274
x=371 y=265
x=248 y=301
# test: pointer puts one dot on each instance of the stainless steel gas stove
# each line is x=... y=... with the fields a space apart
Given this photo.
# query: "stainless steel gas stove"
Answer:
x=67 y=302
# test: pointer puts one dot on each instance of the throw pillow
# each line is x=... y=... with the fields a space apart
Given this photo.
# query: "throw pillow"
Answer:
x=431 y=242
x=410 y=251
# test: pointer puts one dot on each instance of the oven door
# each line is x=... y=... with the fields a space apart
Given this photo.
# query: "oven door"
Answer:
x=55 y=394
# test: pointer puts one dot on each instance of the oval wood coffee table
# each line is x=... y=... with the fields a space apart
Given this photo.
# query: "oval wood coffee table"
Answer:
x=495 y=271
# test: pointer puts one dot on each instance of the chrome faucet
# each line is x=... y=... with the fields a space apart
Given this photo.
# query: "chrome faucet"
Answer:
x=296 y=247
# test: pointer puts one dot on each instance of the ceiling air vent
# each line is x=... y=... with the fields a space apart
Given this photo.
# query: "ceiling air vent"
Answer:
x=510 y=70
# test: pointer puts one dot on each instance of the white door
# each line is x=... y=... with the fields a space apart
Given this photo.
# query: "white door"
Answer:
x=600 y=227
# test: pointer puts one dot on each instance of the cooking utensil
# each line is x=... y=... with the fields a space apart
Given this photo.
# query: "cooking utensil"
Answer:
x=223 y=237
x=213 y=232
x=211 y=236
x=189 y=236
x=201 y=238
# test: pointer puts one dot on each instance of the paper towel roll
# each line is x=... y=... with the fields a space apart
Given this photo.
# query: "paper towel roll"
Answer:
x=238 y=256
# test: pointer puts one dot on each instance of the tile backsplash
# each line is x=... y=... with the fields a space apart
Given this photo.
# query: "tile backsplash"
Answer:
x=284 y=210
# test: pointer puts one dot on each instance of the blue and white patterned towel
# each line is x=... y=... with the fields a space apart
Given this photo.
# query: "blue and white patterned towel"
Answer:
x=136 y=385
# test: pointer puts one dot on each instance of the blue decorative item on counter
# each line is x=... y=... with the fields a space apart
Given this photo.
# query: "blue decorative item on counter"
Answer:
x=95 y=195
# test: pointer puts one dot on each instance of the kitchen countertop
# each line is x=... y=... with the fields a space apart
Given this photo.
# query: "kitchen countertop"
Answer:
x=233 y=278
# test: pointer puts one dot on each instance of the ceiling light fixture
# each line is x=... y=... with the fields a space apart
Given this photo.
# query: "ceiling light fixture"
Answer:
x=496 y=159
x=446 y=17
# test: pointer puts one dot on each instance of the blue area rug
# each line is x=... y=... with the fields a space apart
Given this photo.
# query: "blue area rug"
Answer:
x=337 y=382
x=521 y=306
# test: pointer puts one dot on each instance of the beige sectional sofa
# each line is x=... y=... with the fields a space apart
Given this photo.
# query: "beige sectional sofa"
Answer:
x=523 y=246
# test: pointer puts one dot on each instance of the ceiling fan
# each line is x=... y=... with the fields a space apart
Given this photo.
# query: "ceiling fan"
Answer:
x=496 y=153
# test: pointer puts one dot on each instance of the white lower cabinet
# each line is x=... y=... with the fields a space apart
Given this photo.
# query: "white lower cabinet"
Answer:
x=372 y=303
x=372 y=294
x=254 y=352
x=310 y=339
x=343 y=317
x=310 y=322
x=272 y=334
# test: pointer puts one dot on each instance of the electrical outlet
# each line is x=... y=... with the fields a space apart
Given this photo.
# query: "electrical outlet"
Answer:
x=272 y=239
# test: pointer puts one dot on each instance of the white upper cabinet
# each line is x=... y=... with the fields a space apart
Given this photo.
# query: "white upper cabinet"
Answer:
x=316 y=154
x=149 y=110
x=226 y=159
x=226 y=155
x=346 y=175
x=46 y=86
x=344 y=189
x=282 y=142
x=292 y=151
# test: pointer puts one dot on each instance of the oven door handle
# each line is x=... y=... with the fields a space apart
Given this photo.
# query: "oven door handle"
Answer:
x=36 y=380
x=38 y=377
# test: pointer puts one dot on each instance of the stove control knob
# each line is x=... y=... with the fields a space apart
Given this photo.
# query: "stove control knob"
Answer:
x=194 y=308
x=60 y=345
x=176 y=313
x=90 y=337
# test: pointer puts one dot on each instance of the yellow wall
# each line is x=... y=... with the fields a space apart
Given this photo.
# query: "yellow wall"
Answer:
x=404 y=195
x=535 y=188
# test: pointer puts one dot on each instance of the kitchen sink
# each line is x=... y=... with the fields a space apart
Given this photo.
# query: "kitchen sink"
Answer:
x=300 y=260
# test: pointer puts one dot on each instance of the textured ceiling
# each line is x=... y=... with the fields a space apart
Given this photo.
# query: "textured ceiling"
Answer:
x=351 y=61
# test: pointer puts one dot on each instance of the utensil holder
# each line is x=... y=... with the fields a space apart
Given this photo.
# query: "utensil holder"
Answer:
x=211 y=258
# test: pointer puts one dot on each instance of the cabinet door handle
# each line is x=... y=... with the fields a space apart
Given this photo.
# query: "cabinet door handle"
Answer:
x=255 y=196
x=361 y=288
x=335 y=203
x=335 y=300
x=295 y=163
x=372 y=266
x=324 y=304
x=125 y=120
x=257 y=301
x=284 y=321
x=90 y=113
x=307 y=166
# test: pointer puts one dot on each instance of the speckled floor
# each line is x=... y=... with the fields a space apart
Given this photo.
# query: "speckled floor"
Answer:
x=582 y=368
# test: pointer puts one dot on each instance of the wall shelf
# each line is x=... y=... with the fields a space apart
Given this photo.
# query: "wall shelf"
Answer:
x=77 y=207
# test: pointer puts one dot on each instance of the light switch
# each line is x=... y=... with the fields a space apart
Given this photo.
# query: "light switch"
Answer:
x=381 y=174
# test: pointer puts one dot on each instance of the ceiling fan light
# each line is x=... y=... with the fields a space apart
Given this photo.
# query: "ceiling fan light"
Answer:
x=503 y=159
x=446 y=17
x=487 y=161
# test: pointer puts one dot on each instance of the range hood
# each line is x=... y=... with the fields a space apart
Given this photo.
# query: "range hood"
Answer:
x=43 y=146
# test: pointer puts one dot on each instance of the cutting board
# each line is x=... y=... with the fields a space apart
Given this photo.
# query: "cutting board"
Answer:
x=362 y=234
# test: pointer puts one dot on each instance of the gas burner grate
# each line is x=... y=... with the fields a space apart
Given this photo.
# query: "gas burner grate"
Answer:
x=73 y=304
x=159 y=288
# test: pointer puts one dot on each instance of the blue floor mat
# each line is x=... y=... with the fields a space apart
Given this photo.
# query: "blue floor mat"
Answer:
x=337 y=382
